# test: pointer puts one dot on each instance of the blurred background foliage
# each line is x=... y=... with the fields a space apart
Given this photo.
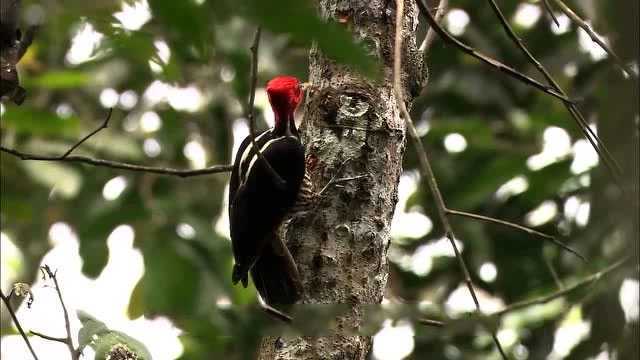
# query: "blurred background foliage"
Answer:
x=177 y=75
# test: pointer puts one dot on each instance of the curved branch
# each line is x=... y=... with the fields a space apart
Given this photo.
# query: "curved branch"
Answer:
x=5 y=300
x=484 y=58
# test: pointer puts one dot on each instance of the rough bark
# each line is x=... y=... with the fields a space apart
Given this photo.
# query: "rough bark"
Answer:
x=351 y=127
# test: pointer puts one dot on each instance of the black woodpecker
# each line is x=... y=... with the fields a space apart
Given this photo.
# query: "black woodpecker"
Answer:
x=259 y=203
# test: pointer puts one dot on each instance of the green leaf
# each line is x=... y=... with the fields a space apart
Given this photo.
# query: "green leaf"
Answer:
x=300 y=20
x=97 y=335
x=38 y=122
x=65 y=79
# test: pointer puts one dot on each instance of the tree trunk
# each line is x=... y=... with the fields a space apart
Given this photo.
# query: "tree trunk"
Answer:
x=351 y=127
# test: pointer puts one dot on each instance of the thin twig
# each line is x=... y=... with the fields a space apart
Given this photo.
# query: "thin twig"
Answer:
x=424 y=160
x=104 y=125
x=429 y=322
x=275 y=313
x=251 y=113
x=486 y=59
x=5 y=300
x=119 y=165
x=549 y=10
x=516 y=226
x=431 y=35
x=67 y=157
x=603 y=152
x=626 y=69
x=553 y=272
x=75 y=354
x=545 y=299
x=47 y=337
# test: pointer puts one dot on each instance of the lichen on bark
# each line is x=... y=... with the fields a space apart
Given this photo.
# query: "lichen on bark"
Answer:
x=351 y=127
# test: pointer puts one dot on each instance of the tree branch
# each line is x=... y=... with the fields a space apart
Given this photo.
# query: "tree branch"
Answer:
x=549 y=10
x=47 y=337
x=119 y=165
x=431 y=35
x=5 y=300
x=612 y=166
x=484 y=58
x=627 y=70
x=251 y=113
x=426 y=170
x=516 y=226
x=545 y=299
x=75 y=354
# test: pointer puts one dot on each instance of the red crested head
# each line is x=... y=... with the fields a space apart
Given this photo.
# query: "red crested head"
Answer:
x=285 y=93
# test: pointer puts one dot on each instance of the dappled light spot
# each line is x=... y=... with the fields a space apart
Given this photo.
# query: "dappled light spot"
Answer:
x=133 y=14
x=83 y=44
x=163 y=54
x=526 y=15
x=515 y=186
x=584 y=157
x=187 y=99
x=128 y=99
x=109 y=98
x=460 y=302
x=114 y=187
x=456 y=21
x=61 y=233
x=570 y=69
x=11 y=261
x=64 y=110
x=455 y=143
x=541 y=215
x=421 y=261
x=196 y=154
x=185 y=231
x=151 y=147
x=572 y=330
x=393 y=342
x=556 y=146
x=227 y=73
x=150 y=122
x=223 y=302
x=488 y=272
x=508 y=337
x=629 y=298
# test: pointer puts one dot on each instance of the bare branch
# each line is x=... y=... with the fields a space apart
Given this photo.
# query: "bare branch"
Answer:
x=6 y=302
x=553 y=272
x=431 y=35
x=612 y=166
x=545 y=299
x=75 y=354
x=519 y=227
x=119 y=165
x=47 y=337
x=430 y=322
x=626 y=69
x=486 y=59
x=275 y=313
x=425 y=166
x=549 y=10
x=251 y=113
x=67 y=157
x=104 y=125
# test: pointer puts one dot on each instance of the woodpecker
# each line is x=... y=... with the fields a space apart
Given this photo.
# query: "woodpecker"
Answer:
x=259 y=203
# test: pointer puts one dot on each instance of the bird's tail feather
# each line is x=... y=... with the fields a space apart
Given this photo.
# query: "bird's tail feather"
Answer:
x=275 y=275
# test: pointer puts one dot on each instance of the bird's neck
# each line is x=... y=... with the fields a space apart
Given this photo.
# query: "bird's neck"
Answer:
x=285 y=124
